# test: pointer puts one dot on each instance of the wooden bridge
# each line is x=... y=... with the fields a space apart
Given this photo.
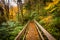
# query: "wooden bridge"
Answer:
x=34 y=31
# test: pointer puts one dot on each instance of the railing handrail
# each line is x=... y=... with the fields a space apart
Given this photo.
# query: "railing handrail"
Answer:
x=48 y=35
x=21 y=32
x=40 y=34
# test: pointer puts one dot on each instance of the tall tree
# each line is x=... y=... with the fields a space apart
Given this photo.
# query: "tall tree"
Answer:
x=20 y=6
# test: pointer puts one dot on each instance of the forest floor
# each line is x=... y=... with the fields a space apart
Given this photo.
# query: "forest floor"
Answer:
x=32 y=33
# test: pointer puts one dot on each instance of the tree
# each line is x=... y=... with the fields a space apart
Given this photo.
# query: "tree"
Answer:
x=20 y=6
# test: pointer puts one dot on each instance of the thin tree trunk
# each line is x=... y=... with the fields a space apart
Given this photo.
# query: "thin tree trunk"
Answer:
x=21 y=8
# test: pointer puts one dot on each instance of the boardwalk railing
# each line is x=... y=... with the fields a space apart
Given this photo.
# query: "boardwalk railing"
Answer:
x=48 y=35
x=21 y=32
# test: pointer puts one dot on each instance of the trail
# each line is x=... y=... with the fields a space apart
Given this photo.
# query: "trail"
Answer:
x=32 y=33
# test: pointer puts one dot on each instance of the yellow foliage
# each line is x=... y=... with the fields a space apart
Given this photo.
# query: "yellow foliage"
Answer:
x=55 y=1
x=12 y=13
x=50 y=5
x=53 y=9
x=47 y=19
x=24 y=11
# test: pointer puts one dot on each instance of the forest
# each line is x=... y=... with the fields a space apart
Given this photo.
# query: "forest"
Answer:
x=15 y=14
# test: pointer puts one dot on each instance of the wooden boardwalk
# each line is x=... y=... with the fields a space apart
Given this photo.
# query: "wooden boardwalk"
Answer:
x=33 y=31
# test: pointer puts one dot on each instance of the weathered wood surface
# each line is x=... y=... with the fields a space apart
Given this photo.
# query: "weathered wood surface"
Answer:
x=38 y=27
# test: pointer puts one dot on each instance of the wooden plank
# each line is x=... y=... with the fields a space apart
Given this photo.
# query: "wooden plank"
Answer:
x=48 y=35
